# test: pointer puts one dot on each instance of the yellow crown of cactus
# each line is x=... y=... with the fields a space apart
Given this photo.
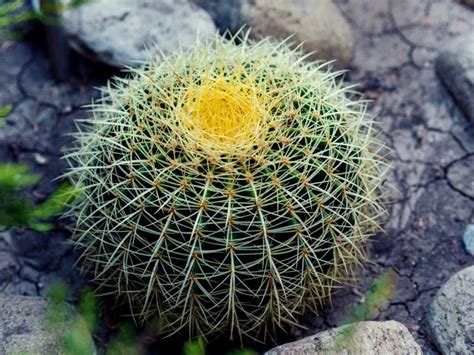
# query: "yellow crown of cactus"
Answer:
x=227 y=187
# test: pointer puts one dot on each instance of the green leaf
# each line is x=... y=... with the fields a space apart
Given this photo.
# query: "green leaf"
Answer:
x=125 y=343
x=7 y=8
x=5 y=110
x=380 y=292
x=11 y=35
x=76 y=3
x=195 y=347
x=11 y=14
x=244 y=351
x=77 y=340
x=58 y=292
x=17 y=210
x=74 y=331
x=15 y=19
x=41 y=227
x=89 y=309
x=16 y=176
x=55 y=203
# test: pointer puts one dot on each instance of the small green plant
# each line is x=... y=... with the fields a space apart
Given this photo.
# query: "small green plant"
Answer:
x=80 y=325
x=4 y=112
x=381 y=291
x=125 y=342
x=76 y=339
x=226 y=188
x=16 y=210
x=74 y=329
x=16 y=12
x=11 y=14
x=198 y=347
x=244 y=351
x=195 y=347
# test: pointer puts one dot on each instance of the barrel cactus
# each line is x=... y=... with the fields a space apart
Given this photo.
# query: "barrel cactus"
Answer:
x=226 y=187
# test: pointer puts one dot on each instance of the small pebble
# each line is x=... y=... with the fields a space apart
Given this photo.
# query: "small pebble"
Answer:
x=468 y=238
x=40 y=159
x=67 y=109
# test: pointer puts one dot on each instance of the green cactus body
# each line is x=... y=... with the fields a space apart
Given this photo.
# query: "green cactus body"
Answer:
x=226 y=188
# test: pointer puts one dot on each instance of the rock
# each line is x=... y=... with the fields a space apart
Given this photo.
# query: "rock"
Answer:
x=24 y=328
x=120 y=32
x=42 y=251
x=469 y=3
x=460 y=174
x=319 y=24
x=24 y=288
x=388 y=337
x=40 y=159
x=25 y=241
x=227 y=14
x=468 y=238
x=451 y=315
x=8 y=267
x=455 y=66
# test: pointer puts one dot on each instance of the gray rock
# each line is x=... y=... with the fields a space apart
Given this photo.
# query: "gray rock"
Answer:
x=24 y=242
x=120 y=32
x=8 y=267
x=388 y=337
x=460 y=174
x=319 y=24
x=469 y=3
x=42 y=251
x=24 y=288
x=24 y=327
x=468 y=239
x=455 y=66
x=451 y=316
x=227 y=15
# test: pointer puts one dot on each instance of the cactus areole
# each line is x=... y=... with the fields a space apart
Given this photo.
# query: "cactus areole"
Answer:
x=226 y=187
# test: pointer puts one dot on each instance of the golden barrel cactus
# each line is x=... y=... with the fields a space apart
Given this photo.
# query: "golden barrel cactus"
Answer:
x=226 y=187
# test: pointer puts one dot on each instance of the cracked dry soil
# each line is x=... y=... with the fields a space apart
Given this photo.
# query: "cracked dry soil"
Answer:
x=433 y=158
